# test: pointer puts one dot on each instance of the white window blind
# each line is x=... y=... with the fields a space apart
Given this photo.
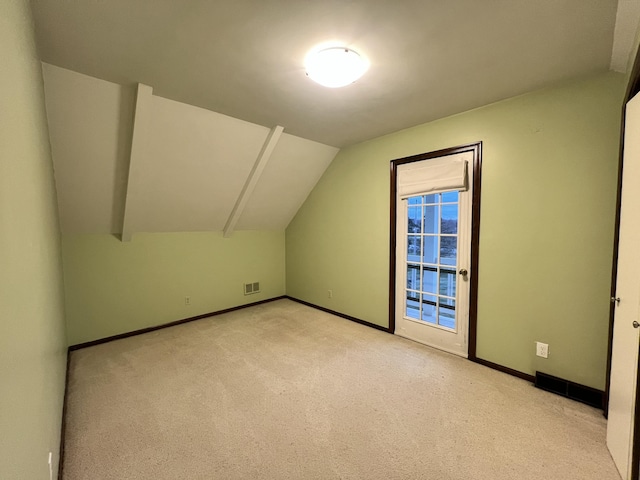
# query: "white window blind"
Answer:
x=432 y=176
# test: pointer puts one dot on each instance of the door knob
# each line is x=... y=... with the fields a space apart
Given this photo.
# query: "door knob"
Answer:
x=635 y=324
x=463 y=271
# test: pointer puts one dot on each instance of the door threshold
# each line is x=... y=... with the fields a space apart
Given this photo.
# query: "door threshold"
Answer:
x=437 y=347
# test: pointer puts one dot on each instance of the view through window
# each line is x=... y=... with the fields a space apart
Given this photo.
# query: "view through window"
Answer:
x=432 y=245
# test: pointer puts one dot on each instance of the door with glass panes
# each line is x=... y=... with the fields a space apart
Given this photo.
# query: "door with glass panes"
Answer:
x=433 y=260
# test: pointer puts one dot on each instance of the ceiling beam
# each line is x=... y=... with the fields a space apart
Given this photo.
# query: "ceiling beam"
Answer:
x=252 y=180
x=624 y=35
x=141 y=119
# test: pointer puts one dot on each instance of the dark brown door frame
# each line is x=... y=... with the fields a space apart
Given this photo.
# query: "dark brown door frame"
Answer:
x=476 y=149
x=633 y=88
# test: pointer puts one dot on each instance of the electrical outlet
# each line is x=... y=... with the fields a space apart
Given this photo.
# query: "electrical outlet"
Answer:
x=542 y=349
x=330 y=293
x=187 y=300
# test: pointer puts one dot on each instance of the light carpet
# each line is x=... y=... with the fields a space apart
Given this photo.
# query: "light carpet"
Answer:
x=284 y=391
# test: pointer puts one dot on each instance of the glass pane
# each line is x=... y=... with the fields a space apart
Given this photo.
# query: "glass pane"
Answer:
x=429 y=279
x=449 y=197
x=414 y=200
x=413 y=277
x=449 y=220
x=431 y=198
x=447 y=313
x=430 y=249
x=413 y=305
x=414 y=250
x=447 y=282
x=448 y=302
x=429 y=308
x=431 y=219
x=448 y=250
x=415 y=214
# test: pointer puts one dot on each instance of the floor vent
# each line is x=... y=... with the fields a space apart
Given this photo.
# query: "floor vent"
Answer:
x=250 y=288
x=574 y=391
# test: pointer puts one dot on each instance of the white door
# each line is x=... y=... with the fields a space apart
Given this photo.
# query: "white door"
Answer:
x=624 y=360
x=433 y=253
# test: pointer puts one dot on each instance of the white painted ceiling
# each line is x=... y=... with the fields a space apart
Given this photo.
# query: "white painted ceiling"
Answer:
x=224 y=73
x=189 y=175
x=243 y=58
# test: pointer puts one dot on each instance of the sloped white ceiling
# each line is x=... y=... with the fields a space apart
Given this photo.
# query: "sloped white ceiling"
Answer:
x=244 y=58
x=196 y=164
x=293 y=170
x=90 y=123
x=192 y=172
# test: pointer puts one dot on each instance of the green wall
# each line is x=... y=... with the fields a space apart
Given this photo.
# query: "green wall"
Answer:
x=32 y=336
x=114 y=287
x=547 y=222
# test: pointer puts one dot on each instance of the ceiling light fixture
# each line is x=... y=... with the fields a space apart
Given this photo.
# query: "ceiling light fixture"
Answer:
x=335 y=67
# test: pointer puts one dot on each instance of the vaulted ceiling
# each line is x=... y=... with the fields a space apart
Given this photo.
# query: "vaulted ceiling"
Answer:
x=185 y=169
x=244 y=58
x=168 y=115
x=192 y=172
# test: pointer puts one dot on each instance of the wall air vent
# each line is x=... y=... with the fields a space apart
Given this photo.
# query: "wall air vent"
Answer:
x=250 y=288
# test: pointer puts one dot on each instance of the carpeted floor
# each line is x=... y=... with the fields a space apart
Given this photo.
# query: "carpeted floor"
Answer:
x=284 y=391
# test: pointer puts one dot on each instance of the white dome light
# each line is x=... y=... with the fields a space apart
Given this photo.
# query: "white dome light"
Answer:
x=335 y=66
